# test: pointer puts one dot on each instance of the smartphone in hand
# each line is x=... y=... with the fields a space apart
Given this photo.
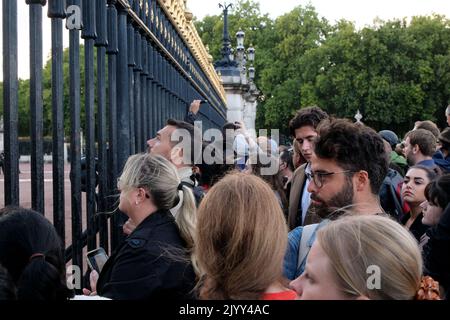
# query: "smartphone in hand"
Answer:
x=96 y=259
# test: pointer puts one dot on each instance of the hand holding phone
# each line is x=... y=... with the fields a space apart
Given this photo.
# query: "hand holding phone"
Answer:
x=93 y=278
x=96 y=259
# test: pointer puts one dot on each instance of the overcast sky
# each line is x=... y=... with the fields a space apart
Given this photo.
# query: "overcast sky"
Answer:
x=362 y=12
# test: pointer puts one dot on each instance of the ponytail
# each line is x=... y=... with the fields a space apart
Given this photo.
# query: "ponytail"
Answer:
x=186 y=217
x=186 y=220
x=32 y=253
x=42 y=281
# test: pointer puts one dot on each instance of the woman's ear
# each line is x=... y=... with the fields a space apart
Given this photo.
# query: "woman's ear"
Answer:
x=141 y=195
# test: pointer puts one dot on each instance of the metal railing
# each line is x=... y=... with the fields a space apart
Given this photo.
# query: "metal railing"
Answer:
x=145 y=73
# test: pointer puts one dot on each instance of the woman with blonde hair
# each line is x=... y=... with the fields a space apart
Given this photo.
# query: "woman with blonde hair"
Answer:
x=153 y=261
x=241 y=240
x=363 y=257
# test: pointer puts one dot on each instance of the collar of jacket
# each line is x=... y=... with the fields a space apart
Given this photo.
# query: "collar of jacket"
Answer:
x=154 y=219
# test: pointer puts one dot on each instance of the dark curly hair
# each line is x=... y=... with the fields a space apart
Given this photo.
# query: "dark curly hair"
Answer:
x=354 y=147
x=310 y=116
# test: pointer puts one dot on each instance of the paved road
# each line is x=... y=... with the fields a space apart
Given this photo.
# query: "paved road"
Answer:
x=25 y=194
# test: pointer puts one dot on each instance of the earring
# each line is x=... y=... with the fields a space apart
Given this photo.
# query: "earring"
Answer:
x=136 y=202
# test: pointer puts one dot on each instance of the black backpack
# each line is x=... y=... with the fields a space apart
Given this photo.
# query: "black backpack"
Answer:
x=389 y=197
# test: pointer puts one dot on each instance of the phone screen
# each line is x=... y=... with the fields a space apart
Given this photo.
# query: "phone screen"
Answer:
x=97 y=259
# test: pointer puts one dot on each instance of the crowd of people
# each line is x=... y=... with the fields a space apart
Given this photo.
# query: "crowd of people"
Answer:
x=348 y=213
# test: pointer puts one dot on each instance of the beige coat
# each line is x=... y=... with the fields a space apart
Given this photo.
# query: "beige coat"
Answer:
x=297 y=183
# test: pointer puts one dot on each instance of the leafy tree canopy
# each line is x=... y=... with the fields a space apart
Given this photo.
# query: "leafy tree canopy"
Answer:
x=395 y=72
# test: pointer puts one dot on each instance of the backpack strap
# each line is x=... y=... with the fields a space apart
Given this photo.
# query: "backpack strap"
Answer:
x=187 y=184
x=303 y=251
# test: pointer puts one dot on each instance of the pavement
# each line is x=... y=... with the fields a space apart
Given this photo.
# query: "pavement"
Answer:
x=25 y=194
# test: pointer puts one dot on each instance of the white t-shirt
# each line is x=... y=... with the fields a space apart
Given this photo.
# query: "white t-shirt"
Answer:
x=306 y=196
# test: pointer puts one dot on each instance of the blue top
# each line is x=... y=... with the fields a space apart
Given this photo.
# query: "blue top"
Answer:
x=290 y=269
x=427 y=163
x=441 y=161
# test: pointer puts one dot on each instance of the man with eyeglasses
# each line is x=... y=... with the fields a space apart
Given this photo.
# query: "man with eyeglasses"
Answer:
x=303 y=128
x=348 y=167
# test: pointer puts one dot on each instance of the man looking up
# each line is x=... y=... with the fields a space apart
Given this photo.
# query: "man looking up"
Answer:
x=180 y=143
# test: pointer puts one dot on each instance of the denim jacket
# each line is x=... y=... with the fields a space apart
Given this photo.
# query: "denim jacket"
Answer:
x=290 y=269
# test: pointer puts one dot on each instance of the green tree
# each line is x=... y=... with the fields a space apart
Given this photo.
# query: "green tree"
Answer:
x=23 y=106
x=394 y=73
x=293 y=35
x=244 y=15
x=24 y=97
x=47 y=92
x=279 y=45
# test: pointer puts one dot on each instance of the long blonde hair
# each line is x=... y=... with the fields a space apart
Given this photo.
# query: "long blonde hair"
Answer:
x=357 y=244
x=160 y=178
x=241 y=239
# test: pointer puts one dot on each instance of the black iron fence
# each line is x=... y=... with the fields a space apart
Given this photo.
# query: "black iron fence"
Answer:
x=146 y=73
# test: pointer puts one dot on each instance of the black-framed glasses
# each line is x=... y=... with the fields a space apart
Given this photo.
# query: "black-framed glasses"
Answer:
x=319 y=177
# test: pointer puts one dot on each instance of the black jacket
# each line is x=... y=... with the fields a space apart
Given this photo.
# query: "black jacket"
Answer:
x=390 y=199
x=436 y=252
x=417 y=228
x=151 y=264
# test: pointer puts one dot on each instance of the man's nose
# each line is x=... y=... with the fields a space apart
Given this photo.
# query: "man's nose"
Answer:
x=306 y=145
x=312 y=187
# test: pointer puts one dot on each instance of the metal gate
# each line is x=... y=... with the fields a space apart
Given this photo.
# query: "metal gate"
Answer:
x=147 y=71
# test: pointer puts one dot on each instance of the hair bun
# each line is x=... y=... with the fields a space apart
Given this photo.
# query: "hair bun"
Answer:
x=429 y=289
